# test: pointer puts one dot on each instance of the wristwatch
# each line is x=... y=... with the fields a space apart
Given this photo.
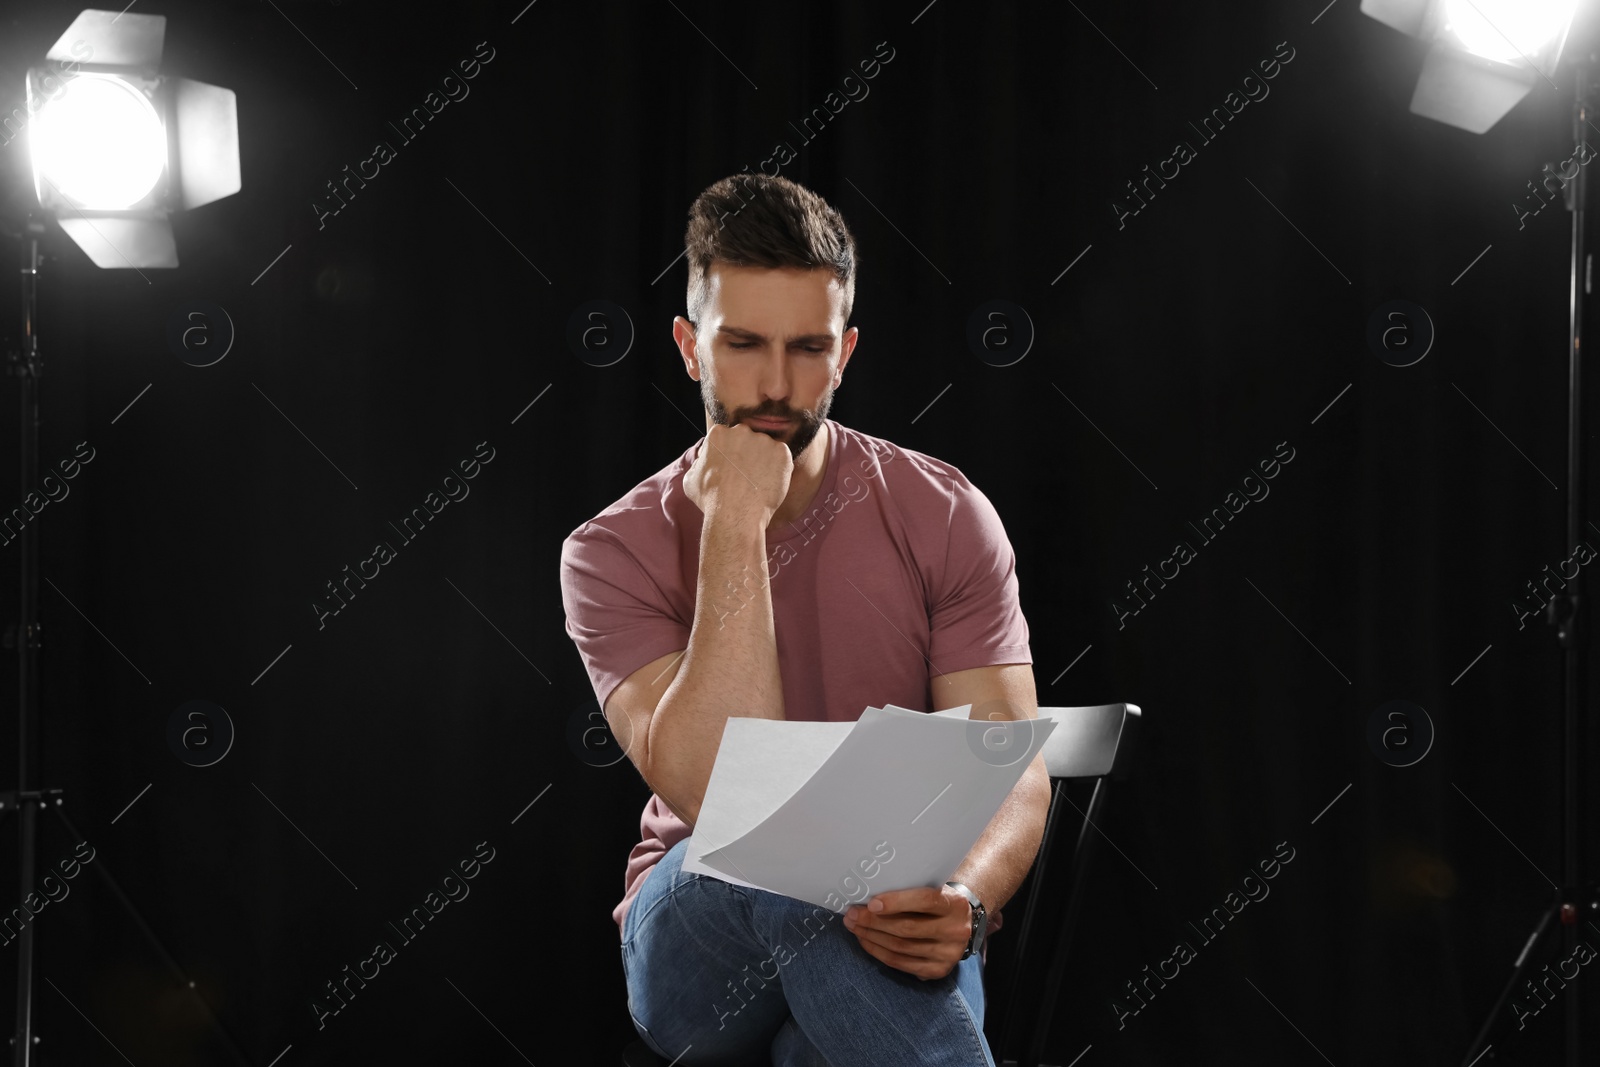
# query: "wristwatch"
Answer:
x=980 y=920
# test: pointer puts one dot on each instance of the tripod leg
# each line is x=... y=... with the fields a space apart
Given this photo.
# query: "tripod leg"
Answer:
x=144 y=928
x=1539 y=932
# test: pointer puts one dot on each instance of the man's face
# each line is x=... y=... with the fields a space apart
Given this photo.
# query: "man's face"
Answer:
x=769 y=346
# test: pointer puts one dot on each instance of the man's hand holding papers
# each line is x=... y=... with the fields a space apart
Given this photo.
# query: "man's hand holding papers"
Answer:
x=920 y=931
x=788 y=803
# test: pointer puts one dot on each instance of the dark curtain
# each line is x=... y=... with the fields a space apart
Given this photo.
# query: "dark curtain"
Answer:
x=425 y=319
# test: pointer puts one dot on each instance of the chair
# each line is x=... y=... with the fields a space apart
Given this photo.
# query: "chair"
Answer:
x=1096 y=743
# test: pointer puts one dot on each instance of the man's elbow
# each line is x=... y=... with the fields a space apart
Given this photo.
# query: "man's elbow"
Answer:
x=686 y=809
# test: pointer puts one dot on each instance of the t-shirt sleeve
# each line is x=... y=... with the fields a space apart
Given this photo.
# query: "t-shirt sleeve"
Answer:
x=975 y=618
x=616 y=614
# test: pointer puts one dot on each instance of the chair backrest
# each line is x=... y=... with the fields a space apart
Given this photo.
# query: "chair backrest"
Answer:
x=1087 y=741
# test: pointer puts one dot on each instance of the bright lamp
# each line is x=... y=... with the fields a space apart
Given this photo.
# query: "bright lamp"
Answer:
x=1485 y=54
x=117 y=147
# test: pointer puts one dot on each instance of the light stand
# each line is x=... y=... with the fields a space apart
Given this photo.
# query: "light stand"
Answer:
x=28 y=365
x=1476 y=70
x=25 y=800
x=188 y=156
x=1576 y=901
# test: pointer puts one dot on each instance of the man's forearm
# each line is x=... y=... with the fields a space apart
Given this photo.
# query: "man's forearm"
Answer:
x=730 y=666
x=999 y=861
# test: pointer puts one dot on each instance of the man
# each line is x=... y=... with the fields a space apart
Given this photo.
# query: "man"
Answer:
x=788 y=567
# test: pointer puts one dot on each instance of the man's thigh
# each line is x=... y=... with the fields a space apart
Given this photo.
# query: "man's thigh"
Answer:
x=701 y=985
x=707 y=964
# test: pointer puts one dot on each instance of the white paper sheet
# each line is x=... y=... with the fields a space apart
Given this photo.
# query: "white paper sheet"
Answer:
x=834 y=813
x=756 y=767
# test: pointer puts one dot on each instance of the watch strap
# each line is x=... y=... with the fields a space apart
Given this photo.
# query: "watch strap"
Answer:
x=979 y=917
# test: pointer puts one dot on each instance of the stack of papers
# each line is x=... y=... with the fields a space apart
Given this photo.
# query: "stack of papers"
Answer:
x=833 y=813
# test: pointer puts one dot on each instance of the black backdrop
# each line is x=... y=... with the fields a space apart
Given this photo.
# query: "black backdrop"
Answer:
x=374 y=351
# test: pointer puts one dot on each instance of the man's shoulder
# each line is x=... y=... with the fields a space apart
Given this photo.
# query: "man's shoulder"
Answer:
x=904 y=469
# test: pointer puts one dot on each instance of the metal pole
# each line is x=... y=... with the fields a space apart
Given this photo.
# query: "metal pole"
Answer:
x=1570 y=633
x=28 y=368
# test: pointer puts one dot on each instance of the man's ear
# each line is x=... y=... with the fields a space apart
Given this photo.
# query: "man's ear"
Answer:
x=683 y=334
x=847 y=348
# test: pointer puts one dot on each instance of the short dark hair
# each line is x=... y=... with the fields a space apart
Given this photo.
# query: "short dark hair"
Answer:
x=757 y=220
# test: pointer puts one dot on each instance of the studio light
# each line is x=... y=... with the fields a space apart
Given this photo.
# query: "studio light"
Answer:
x=1505 y=30
x=1485 y=54
x=117 y=147
x=100 y=144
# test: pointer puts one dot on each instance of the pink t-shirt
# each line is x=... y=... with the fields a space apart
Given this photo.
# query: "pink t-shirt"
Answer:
x=901 y=571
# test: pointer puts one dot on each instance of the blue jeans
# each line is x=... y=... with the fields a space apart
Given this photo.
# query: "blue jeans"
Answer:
x=727 y=976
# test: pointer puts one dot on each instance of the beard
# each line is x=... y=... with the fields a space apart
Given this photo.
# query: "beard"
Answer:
x=806 y=423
